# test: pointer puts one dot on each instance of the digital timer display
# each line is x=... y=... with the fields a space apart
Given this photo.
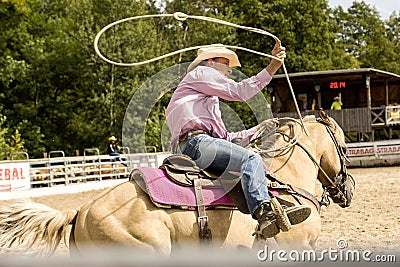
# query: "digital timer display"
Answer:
x=337 y=85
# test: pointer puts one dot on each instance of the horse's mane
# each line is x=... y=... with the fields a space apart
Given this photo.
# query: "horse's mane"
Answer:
x=309 y=118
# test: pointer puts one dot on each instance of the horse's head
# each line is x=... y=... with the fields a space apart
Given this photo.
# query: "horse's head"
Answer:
x=325 y=148
x=338 y=184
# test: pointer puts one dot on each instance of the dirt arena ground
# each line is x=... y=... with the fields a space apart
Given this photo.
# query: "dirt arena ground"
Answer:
x=371 y=223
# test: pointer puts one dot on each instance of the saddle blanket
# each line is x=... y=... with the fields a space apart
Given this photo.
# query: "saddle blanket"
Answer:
x=164 y=192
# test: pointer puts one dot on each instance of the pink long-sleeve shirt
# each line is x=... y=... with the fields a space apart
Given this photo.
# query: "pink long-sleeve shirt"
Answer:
x=195 y=102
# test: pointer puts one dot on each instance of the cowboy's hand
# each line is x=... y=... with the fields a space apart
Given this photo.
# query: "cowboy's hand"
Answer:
x=269 y=124
x=279 y=52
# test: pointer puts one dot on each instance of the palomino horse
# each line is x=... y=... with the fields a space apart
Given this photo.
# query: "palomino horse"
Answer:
x=125 y=216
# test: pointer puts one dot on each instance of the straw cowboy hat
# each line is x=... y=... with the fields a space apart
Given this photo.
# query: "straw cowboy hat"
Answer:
x=216 y=50
x=112 y=138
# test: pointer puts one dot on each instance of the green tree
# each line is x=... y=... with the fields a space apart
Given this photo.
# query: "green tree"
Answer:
x=57 y=94
x=11 y=144
x=3 y=132
x=15 y=146
x=111 y=86
x=393 y=35
x=15 y=75
x=303 y=27
x=53 y=79
x=362 y=34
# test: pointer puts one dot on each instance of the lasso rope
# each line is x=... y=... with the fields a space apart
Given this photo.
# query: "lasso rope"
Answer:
x=278 y=151
x=182 y=17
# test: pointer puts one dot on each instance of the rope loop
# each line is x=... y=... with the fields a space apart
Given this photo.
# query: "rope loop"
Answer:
x=180 y=16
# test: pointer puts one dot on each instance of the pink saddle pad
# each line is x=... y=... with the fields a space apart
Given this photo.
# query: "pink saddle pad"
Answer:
x=165 y=192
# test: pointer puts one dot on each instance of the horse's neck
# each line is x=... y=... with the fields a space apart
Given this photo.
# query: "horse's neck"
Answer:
x=296 y=167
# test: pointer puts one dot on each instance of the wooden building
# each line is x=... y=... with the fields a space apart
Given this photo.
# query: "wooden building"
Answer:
x=370 y=97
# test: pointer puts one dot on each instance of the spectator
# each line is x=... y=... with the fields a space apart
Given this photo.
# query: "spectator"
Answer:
x=314 y=105
x=113 y=149
x=337 y=104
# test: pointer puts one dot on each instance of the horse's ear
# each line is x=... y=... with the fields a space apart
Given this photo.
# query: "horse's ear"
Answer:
x=324 y=117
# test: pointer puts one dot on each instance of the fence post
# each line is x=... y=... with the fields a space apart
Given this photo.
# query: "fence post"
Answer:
x=49 y=165
x=19 y=153
x=97 y=153
x=127 y=152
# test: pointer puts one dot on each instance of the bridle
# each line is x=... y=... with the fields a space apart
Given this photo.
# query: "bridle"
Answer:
x=340 y=187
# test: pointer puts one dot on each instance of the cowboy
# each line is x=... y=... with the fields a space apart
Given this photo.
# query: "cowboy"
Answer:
x=194 y=119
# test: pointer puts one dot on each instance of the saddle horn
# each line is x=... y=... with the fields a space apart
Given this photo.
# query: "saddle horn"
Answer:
x=324 y=117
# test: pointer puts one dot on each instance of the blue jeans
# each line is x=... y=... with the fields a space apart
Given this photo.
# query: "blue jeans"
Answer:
x=114 y=154
x=219 y=155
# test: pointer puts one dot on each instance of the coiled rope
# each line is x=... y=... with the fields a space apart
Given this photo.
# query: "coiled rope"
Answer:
x=182 y=17
x=266 y=132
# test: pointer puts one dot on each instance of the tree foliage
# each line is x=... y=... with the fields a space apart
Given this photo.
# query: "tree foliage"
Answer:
x=362 y=34
x=57 y=94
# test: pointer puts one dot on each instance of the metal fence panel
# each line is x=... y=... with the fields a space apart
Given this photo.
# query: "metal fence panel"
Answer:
x=55 y=171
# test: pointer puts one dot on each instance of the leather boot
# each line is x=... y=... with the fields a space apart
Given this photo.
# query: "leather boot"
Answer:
x=266 y=220
x=267 y=225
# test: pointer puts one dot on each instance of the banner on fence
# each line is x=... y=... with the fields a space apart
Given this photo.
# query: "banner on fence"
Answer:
x=14 y=176
x=373 y=150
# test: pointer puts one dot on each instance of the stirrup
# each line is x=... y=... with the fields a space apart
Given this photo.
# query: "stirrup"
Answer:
x=282 y=219
x=271 y=227
x=267 y=230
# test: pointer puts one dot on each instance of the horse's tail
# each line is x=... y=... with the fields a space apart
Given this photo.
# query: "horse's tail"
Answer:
x=31 y=228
